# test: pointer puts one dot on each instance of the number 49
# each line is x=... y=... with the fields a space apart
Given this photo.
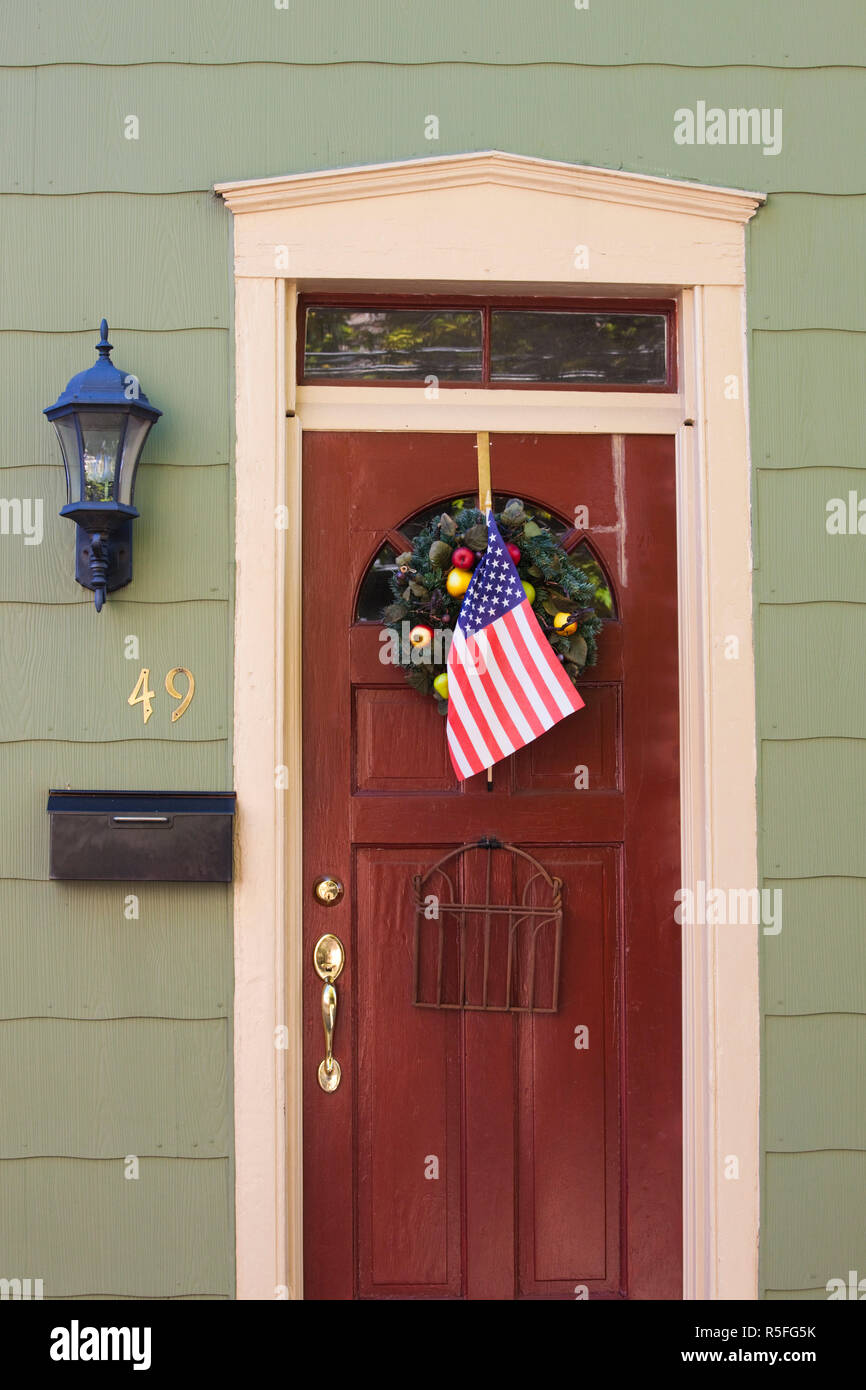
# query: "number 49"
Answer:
x=143 y=695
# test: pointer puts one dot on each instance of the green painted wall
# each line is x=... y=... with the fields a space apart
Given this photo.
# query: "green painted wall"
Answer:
x=116 y=1032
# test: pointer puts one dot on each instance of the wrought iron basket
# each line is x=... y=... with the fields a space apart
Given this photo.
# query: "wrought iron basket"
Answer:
x=498 y=956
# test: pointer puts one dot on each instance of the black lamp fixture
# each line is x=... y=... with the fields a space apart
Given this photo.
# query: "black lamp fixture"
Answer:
x=102 y=420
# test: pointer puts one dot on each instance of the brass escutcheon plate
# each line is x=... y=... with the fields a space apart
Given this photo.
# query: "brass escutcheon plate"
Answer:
x=329 y=1080
x=328 y=957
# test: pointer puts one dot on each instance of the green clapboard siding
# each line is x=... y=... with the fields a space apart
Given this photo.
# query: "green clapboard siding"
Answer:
x=71 y=950
x=813 y=1205
x=812 y=806
x=800 y=561
x=820 y=418
x=47 y=699
x=801 y=1111
x=817 y=962
x=83 y=1228
x=17 y=112
x=134 y=764
x=785 y=33
x=802 y=644
x=798 y=247
x=112 y=1087
x=147 y=263
x=294 y=123
x=181 y=547
x=185 y=374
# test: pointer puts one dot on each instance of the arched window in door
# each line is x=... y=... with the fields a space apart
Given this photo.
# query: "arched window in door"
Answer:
x=374 y=592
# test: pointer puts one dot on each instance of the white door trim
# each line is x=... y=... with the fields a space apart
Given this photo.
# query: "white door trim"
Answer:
x=518 y=223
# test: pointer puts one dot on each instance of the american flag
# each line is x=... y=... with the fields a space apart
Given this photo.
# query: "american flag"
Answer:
x=505 y=684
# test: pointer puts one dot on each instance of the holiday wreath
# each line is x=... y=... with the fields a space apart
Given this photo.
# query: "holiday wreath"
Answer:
x=429 y=582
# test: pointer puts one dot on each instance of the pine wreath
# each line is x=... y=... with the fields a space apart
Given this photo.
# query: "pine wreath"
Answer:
x=421 y=598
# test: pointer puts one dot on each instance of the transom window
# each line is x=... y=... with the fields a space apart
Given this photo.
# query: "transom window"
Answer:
x=590 y=344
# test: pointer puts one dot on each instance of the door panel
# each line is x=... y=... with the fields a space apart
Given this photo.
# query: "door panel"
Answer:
x=408 y=1096
x=554 y=763
x=482 y=1154
x=386 y=719
x=569 y=1140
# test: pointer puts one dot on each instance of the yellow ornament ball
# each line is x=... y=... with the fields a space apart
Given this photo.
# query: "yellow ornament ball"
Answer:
x=458 y=582
x=440 y=685
x=528 y=590
x=565 y=623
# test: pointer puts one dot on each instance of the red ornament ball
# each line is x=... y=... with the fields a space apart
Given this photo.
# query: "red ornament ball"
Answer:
x=463 y=558
x=421 y=636
x=514 y=552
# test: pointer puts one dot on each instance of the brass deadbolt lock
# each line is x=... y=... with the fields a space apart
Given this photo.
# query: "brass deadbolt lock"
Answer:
x=328 y=890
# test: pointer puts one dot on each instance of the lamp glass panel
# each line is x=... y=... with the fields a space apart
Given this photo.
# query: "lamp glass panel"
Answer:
x=102 y=434
x=67 y=433
x=136 y=433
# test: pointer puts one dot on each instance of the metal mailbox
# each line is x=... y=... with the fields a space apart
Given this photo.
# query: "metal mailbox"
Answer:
x=176 y=837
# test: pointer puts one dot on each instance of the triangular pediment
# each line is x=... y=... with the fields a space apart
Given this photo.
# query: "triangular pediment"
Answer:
x=489 y=168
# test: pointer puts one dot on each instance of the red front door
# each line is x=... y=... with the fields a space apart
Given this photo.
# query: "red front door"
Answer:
x=484 y=1154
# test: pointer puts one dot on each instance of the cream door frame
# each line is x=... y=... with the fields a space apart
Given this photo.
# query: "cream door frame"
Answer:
x=498 y=223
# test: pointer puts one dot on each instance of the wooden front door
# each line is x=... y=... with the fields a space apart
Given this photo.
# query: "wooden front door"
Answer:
x=474 y=1153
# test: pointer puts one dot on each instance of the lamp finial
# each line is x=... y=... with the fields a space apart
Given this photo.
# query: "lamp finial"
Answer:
x=103 y=347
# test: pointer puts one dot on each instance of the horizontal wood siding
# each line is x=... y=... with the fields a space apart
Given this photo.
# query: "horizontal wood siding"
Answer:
x=299 y=122
x=807 y=314
x=800 y=702
x=823 y=963
x=157 y=264
x=119 y=1026
x=811 y=1201
x=85 y=1229
x=810 y=571
x=820 y=421
x=783 y=33
x=100 y=1102
x=85 y=950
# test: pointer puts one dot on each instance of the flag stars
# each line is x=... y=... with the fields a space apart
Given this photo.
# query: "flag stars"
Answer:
x=492 y=591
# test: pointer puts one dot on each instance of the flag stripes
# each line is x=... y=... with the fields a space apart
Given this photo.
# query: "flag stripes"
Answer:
x=505 y=684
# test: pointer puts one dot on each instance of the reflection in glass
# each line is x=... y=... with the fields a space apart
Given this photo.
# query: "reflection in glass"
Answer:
x=136 y=430
x=67 y=433
x=605 y=606
x=375 y=591
x=578 y=348
x=101 y=435
x=392 y=344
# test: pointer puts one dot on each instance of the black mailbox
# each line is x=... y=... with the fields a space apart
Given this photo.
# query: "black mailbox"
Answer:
x=177 y=837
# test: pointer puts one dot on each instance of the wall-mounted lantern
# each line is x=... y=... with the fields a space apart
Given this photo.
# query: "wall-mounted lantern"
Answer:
x=102 y=420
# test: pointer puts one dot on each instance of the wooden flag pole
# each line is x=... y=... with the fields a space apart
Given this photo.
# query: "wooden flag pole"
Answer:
x=485 y=502
x=485 y=497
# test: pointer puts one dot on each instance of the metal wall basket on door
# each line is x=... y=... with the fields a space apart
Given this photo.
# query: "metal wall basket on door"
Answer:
x=500 y=956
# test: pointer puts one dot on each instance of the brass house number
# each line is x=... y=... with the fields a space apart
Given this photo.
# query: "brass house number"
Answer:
x=143 y=695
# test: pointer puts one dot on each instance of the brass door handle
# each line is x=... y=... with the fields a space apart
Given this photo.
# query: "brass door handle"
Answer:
x=328 y=960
